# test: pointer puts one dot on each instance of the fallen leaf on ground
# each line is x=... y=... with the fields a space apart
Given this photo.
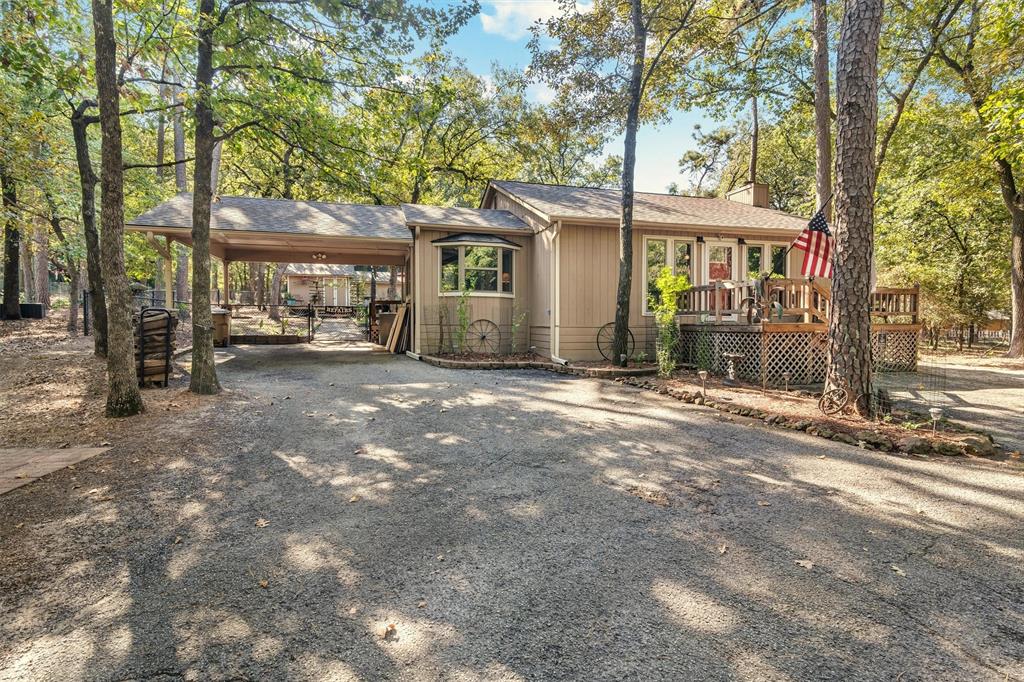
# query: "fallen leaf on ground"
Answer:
x=723 y=549
x=177 y=540
x=898 y=571
x=388 y=631
x=264 y=584
x=763 y=503
x=262 y=523
x=821 y=456
x=422 y=604
x=806 y=563
x=354 y=498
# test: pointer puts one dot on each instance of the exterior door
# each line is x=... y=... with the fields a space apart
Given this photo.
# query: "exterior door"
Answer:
x=721 y=263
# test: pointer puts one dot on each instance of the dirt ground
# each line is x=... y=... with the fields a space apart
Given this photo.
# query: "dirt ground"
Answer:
x=340 y=513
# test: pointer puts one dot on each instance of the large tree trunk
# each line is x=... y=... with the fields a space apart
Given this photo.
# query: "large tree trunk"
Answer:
x=620 y=341
x=275 y=291
x=41 y=253
x=161 y=124
x=392 y=282
x=123 y=396
x=1013 y=198
x=181 y=274
x=87 y=186
x=259 y=294
x=12 y=246
x=849 y=334
x=204 y=372
x=822 y=109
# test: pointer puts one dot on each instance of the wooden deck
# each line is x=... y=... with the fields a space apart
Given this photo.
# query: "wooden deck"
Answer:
x=792 y=304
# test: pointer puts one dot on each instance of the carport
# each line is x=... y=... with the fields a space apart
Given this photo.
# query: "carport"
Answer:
x=248 y=229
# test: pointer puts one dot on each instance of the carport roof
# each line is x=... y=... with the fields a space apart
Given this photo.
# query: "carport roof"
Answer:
x=314 y=218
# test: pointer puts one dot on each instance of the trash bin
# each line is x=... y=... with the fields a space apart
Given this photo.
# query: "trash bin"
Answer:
x=221 y=327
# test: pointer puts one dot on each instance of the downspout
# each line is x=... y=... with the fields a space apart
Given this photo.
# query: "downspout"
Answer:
x=555 y=297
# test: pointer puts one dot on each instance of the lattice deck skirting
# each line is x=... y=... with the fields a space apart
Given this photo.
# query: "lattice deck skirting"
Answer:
x=768 y=354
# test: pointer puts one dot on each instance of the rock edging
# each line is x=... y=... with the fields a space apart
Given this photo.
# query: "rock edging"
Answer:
x=595 y=372
x=979 y=445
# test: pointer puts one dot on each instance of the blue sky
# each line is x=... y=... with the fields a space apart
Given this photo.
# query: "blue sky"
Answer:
x=500 y=34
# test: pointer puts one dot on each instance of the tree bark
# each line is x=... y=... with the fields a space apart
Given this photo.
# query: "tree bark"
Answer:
x=849 y=335
x=620 y=340
x=204 y=372
x=259 y=294
x=392 y=282
x=74 y=295
x=755 y=134
x=87 y=185
x=41 y=254
x=161 y=124
x=275 y=291
x=123 y=396
x=28 y=273
x=1013 y=198
x=12 y=246
x=822 y=109
x=180 y=177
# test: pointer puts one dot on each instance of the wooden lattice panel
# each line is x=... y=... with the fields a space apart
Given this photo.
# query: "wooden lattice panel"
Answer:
x=894 y=351
x=802 y=354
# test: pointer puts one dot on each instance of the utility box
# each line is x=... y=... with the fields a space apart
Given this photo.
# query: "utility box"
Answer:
x=221 y=327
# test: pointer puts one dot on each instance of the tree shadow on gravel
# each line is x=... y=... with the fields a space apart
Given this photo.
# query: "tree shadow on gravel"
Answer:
x=519 y=526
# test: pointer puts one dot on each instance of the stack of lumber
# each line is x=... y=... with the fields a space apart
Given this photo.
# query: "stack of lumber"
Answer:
x=398 y=338
x=154 y=345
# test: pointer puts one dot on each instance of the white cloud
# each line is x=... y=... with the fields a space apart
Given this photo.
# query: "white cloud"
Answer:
x=541 y=93
x=512 y=19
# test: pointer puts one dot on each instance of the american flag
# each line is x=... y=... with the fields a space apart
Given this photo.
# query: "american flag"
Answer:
x=816 y=243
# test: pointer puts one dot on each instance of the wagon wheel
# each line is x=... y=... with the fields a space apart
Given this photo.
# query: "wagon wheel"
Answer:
x=606 y=340
x=483 y=337
x=833 y=401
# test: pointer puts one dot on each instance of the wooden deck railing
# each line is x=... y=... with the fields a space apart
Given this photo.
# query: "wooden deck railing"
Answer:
x=808 y=299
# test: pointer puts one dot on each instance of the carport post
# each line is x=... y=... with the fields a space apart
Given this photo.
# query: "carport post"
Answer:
x=227 y=282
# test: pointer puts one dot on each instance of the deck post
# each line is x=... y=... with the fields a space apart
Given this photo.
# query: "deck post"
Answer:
x=718 y=301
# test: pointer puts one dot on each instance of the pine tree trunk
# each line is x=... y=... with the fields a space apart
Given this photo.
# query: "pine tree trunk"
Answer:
x=204 y=372
x=28 y=273
x=74 y=295
x=12 y=246
x=1013 y=198
x=392 y=282
x=123 y=396
x=822 y=108
x=755 y=135
x=275 y=291
x=42 y=263
x=87 y=186
x=849 y=337
x=620 y=340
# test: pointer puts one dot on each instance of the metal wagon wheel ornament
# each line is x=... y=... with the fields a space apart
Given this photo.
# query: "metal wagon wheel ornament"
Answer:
x=834 y=401
x=606 y=341
x=483 y=336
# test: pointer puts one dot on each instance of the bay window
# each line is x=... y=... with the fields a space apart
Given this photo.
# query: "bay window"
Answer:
x=477 y=269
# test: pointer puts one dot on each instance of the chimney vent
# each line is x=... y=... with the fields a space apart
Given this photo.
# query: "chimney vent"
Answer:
x=752 y=194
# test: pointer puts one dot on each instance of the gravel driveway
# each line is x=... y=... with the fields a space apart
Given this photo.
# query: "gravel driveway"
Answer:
x=509 y=525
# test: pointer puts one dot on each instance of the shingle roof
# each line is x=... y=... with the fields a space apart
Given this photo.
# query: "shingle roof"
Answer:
x=280 y=215
x=582 y=203
x=419 y=214
x=475 y=238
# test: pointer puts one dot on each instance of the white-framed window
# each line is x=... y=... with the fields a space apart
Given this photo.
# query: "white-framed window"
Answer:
x=674 y=252
x=480 y=269
x=765 y=258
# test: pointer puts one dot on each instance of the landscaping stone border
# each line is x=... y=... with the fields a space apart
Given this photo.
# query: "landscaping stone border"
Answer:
x=596 y=372
x=976 y=444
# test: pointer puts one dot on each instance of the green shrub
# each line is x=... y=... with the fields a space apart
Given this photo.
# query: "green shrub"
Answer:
x=670 y=287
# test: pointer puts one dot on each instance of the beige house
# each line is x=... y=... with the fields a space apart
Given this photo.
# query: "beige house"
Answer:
x=334 y=285
x=536 y=266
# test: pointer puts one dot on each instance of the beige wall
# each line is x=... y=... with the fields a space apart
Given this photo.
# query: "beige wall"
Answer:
x=499 y=309
x=588 y=271
x=299 y=287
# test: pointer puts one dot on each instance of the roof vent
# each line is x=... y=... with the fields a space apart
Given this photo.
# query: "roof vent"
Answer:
x=752 y=194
